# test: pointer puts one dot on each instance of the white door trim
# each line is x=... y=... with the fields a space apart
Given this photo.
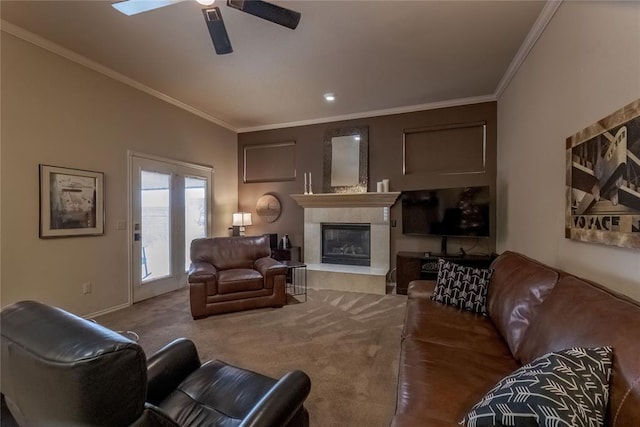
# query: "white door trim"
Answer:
x=130 y=155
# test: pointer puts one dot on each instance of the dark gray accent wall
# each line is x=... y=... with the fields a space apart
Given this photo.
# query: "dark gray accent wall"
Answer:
x=385 y=161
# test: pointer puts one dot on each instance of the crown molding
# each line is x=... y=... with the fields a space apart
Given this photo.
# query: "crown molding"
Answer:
x=534 y=34
x=52 y=47
x=375 y=113
x=547 y=13
x=529 y=42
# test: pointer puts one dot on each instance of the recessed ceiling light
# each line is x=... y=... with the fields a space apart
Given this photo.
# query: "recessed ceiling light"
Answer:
x=206 y=2
x=329 y=97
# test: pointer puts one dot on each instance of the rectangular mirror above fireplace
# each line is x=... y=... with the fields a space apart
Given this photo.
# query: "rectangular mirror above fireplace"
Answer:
x=346 y=160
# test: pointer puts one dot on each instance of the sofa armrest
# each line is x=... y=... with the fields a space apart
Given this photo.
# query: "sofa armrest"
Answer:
x=168 y=367
x=202 y=272
x=280 y=403
x=268 y=266
x=422 y=289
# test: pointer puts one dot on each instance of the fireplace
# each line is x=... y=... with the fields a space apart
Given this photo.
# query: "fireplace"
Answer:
x=348 y=244
x=348 y=208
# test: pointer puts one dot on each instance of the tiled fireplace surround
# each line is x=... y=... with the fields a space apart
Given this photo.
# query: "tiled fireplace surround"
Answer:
x=352 y=208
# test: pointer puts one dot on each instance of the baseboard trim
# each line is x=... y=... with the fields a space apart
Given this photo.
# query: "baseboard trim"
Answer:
x=106 y=311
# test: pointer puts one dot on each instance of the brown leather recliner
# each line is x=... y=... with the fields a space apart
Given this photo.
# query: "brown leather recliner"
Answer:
x=61 y=370
x=233 y=274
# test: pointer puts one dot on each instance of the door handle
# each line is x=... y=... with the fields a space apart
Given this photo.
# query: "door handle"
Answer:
x=137 y=235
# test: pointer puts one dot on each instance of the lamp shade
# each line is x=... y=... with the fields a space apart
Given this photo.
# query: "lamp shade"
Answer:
x=240 y=219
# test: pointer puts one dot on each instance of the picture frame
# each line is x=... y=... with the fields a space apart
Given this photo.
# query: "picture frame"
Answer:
x=71 y=202
x=603 y=180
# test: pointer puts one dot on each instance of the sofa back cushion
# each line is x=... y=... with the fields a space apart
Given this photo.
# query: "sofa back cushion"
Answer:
x=518 y=287
x=230 y=252
x=579 y=313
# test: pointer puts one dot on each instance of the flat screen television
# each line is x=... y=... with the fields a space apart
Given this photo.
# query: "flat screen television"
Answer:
x=447 y=212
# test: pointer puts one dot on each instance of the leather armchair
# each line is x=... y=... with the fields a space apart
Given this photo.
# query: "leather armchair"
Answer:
x=61 y=370
x=234 y=274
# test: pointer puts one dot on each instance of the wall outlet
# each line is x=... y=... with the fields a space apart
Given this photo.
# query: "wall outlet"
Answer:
x=86 y=288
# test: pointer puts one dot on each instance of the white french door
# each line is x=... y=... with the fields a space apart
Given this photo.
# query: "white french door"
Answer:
x=170 y=206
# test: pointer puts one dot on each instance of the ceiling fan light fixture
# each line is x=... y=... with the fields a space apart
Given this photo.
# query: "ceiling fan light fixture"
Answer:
x=206 y=2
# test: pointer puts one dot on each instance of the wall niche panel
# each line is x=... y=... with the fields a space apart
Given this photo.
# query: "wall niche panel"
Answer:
x=270 y=162
x=451 y=149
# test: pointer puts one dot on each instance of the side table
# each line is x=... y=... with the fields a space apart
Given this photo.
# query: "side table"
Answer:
x=296 y=278
x=289 y=254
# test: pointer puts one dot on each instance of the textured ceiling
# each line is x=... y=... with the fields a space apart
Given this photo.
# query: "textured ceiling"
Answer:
x=374 y=55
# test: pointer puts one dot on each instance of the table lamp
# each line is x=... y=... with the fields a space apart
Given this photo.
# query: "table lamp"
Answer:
x=240 y=219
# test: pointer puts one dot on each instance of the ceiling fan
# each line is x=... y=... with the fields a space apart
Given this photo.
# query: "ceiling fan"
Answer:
x=212 y=16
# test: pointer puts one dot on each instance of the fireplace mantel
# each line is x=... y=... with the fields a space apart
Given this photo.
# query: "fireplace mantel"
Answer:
x=342 y=200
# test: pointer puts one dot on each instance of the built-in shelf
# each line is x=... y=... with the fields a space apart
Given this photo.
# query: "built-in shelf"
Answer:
x=341 y=200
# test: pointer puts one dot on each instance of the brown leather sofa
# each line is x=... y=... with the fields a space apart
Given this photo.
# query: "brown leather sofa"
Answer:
x=234 y=274
x=61 y=370
x=451 y=358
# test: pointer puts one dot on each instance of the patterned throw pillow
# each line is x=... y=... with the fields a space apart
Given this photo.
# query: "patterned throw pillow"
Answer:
x=462 y=287
x=565 y=388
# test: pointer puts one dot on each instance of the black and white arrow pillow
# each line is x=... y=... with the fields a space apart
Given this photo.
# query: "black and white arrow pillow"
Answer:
x=461 y=286
x=566 y=388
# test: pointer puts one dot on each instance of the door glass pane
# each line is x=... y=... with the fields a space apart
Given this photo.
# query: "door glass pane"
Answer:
x=156 y=225
x=195 y=215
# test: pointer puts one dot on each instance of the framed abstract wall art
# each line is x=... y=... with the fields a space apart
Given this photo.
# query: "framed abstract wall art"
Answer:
x=71 y=202
x=603 y=180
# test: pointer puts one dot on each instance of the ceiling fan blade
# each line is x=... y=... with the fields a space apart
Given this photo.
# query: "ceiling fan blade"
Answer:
x=271 y=12
x=217 y=30
x=133 y=7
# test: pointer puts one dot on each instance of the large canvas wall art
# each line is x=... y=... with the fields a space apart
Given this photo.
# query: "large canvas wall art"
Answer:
x=603 y=180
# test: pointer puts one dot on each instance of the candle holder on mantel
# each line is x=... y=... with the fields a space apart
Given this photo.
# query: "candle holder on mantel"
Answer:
x=307 y=185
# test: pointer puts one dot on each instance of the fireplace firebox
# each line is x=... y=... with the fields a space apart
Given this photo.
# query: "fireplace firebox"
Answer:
x=348 y=244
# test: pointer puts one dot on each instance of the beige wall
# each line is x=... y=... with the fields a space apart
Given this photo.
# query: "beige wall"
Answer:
x=585 y=66
x=57 y=112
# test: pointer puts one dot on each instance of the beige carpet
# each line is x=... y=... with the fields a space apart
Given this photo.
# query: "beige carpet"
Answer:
x=348 y=343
